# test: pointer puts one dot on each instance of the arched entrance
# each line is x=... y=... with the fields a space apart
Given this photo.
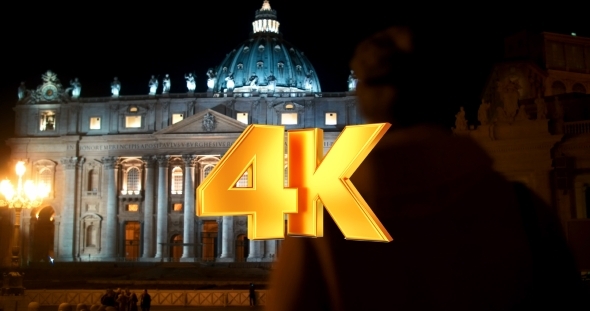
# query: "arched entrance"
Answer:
x=242 y=248
x=176 y=247
x=42 y=235
x=209 y=239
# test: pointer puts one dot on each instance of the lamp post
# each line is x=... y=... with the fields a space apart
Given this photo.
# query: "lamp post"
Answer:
x=27 y=195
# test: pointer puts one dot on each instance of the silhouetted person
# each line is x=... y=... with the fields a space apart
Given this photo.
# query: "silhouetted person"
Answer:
x=145 y=301
x=133 y=302
x=464 y=237
x=252 y=295
x=108 y=299
x=123 y=300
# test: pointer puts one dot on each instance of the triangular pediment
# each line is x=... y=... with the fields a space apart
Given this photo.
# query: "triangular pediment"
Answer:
x=207 y=121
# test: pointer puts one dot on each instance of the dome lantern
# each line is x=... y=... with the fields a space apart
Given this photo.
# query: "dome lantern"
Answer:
x=266 y=20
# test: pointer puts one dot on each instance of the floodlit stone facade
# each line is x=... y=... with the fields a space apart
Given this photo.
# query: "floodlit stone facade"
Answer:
x=123 y=169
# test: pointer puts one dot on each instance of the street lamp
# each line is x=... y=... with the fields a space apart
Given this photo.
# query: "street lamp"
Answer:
x=27 y=195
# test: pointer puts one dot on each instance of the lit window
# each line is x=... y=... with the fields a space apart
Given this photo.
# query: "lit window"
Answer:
x=243 y=181
x=133 y=121
x=46 y=177
x=132 y=207
x=242 y=117
x=177 y=117
x=177 y=180
x=289 y=118
x=289 y=106
x=330 y=118
x=47 y=121
x=177 y=207
x=133 y=109
x=133 y=180
x=95 y=123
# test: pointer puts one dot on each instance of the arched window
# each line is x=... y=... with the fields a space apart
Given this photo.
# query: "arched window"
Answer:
x=133 y=179
x=46 y=177
x=177 y=180
x=558 y=88
x=207 y=170
x=578 y=88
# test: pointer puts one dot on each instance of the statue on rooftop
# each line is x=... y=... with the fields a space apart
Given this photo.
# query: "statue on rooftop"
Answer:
x=76 y=88
x=229 y=81
x=253 y=80
x=352 y=81
x=22 y=91
x=166 y=84
x=308 y=82
x=191 y=85
x=483 y=113
x=115 y=87
x=460 y=120
x=153 y=84
x=211 y=78
x=272 y=82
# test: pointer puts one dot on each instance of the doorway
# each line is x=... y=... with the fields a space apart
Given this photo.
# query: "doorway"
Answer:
x=176 y=247
x=242 y=248
x=43 y=234
x=209 y=240
x=131 y=240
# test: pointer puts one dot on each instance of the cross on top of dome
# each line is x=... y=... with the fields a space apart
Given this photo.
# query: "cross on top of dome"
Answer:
x=265 y=6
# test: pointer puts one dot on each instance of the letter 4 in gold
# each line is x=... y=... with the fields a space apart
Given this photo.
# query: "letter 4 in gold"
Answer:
x=314 y=182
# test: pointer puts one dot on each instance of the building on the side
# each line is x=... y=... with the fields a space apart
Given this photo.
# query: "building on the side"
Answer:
x=123 y=169
x=534 y=120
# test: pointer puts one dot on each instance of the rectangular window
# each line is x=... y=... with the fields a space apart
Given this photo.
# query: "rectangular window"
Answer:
x=133 y=121
x=177 y=207
x=289 y=118
x=47 y=121
x=177 y=117
x=242 y=117
x=132 y=207
x=95 y=123
x=331 y=118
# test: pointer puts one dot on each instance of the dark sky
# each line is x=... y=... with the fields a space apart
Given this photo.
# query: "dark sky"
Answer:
x=96 y=41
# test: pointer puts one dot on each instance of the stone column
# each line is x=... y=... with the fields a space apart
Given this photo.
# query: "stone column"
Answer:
x=270 y=250
x=148 y=208
x=227 y=242
x=110 y=246
x=189 y=206
x=255 y=250
x=219 y=238
x=198 y=245
x=162 y=218
x=68 y=210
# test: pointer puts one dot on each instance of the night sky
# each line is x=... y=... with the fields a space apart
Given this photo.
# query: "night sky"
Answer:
x=96 y=41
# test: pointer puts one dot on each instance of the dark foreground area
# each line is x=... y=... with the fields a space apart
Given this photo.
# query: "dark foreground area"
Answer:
x=181 y=276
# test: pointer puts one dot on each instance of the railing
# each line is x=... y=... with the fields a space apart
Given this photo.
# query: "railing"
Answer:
x=215 y=94
x=578 y=127
x=179 y=298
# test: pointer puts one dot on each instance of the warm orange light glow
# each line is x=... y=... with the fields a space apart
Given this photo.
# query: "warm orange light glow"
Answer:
x=325 y=181
x=260 y=152
x=26 y=195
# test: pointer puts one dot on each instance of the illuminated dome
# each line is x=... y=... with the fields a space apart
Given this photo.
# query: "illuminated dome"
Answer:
x=265 y=63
